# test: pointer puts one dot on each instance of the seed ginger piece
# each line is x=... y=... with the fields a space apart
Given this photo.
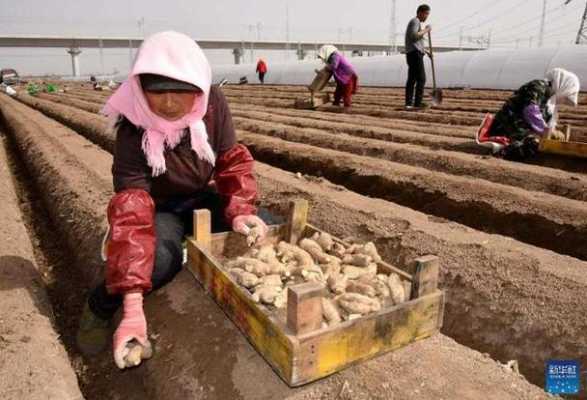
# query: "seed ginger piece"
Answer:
x=396 y=288
x=330 y=312
x=244 y=278
x=369 y=249
x=268 y=255
x=355 y=303
x=280 y=300
x=303 y=258
x=271 y=280
x=136 y=353
x=358 y=260
x=317 y=252
x=253 y=235
x=353 y=272
x=337 y=283
x=313 y=274
x=361 y=288
x=338 y=250
x=266 y=294
x=324 y=240
x=330 y=269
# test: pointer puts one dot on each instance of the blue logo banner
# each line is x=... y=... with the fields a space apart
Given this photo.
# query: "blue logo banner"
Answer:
x=563 y=376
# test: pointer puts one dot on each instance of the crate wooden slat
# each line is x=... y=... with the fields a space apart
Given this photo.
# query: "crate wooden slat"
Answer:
x=573 y=149
x=305 y=357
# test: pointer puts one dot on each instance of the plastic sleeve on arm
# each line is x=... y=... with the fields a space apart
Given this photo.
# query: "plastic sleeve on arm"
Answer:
x=235 y=182
x=132 y=241
x=533 y=116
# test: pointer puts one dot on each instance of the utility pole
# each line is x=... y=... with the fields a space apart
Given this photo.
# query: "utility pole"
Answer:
x=489 y=39
x=286 y=30
x=251 y=37
x=141 y=24
x=392 y=28
x=542 y=23
x=582 y=34
x=461 y=38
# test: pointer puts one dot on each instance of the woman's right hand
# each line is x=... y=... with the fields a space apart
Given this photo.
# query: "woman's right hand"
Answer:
x=132 y=327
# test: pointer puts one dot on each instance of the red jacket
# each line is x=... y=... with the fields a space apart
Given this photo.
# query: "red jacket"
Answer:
x=261 y=66
x=131 y=212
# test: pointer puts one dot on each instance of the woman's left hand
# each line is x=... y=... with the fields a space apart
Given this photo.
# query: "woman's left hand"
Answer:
x=249 y=224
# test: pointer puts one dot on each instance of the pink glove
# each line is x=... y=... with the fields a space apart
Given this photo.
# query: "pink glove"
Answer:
x=251 y=226
x=133 y=326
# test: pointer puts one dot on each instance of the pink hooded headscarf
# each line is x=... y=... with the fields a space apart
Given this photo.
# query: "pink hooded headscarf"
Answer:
x=175 y=56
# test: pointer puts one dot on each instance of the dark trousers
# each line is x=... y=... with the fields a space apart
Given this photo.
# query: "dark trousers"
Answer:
x=172 y=222
x=416 y=77
x=262 y=77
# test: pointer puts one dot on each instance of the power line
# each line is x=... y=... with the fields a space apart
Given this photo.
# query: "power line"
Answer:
x=482 y=9
x=495 y=17
x=513 y=29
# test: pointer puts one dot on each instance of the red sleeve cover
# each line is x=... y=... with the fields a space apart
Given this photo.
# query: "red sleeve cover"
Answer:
x=131 y=245
x=235 y=182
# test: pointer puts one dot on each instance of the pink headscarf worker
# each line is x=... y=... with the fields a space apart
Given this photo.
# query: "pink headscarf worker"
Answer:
x=175 y=151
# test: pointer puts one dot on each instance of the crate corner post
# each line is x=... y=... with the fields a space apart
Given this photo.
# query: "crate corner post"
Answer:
x=203 y=228
x=426 y=276
x=297 y=220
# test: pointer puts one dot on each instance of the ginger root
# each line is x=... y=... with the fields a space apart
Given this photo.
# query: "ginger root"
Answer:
x=369 y=249
x=358 y=260
x=317 y=252
x=361 y=288
x=355 y=303
x=244 y=278
x=266 y=294
x=337 y=283
x=324 y=240
x=289 y=251
x=338 y=250
x=353 y=272
x=271 y=280
x=330 y=269
x=255 y=266
x=330 y=312
x=396 y=287
x=313 y=274
x=136 y=353
x=253 y=235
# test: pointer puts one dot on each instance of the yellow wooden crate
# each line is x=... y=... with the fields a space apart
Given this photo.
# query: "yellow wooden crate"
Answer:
x=572 y=149
x=305 y=357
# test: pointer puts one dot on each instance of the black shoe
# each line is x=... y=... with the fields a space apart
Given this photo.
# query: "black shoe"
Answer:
x=422 y=106
x=93 y=333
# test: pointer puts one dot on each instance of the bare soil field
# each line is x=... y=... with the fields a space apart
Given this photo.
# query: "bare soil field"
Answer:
x=511 y=238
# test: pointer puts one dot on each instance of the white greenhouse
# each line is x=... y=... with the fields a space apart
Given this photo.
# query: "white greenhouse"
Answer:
x=486 y=69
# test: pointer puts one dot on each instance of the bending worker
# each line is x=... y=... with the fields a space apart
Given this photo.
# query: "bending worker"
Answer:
x=532 y=112
x=415 y=50
x=175 y=151
x=344 y=74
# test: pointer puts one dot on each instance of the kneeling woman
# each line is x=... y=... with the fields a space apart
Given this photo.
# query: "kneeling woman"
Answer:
x=175 y=151
x=531 y=112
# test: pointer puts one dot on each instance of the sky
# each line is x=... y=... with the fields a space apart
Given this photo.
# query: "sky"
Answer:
x=504 y=23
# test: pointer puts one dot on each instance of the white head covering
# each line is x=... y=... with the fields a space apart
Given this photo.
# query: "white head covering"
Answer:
x=565 y=86
x=326 y=51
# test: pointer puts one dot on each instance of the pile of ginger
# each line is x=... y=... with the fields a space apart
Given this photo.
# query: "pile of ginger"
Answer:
x=349 y=272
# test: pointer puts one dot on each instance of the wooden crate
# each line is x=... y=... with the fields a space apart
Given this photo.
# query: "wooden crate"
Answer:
x=572 y=149
x=312 y=102
x=296 y=347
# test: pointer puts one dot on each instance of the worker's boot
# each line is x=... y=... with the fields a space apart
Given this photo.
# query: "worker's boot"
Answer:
x=93 y=333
